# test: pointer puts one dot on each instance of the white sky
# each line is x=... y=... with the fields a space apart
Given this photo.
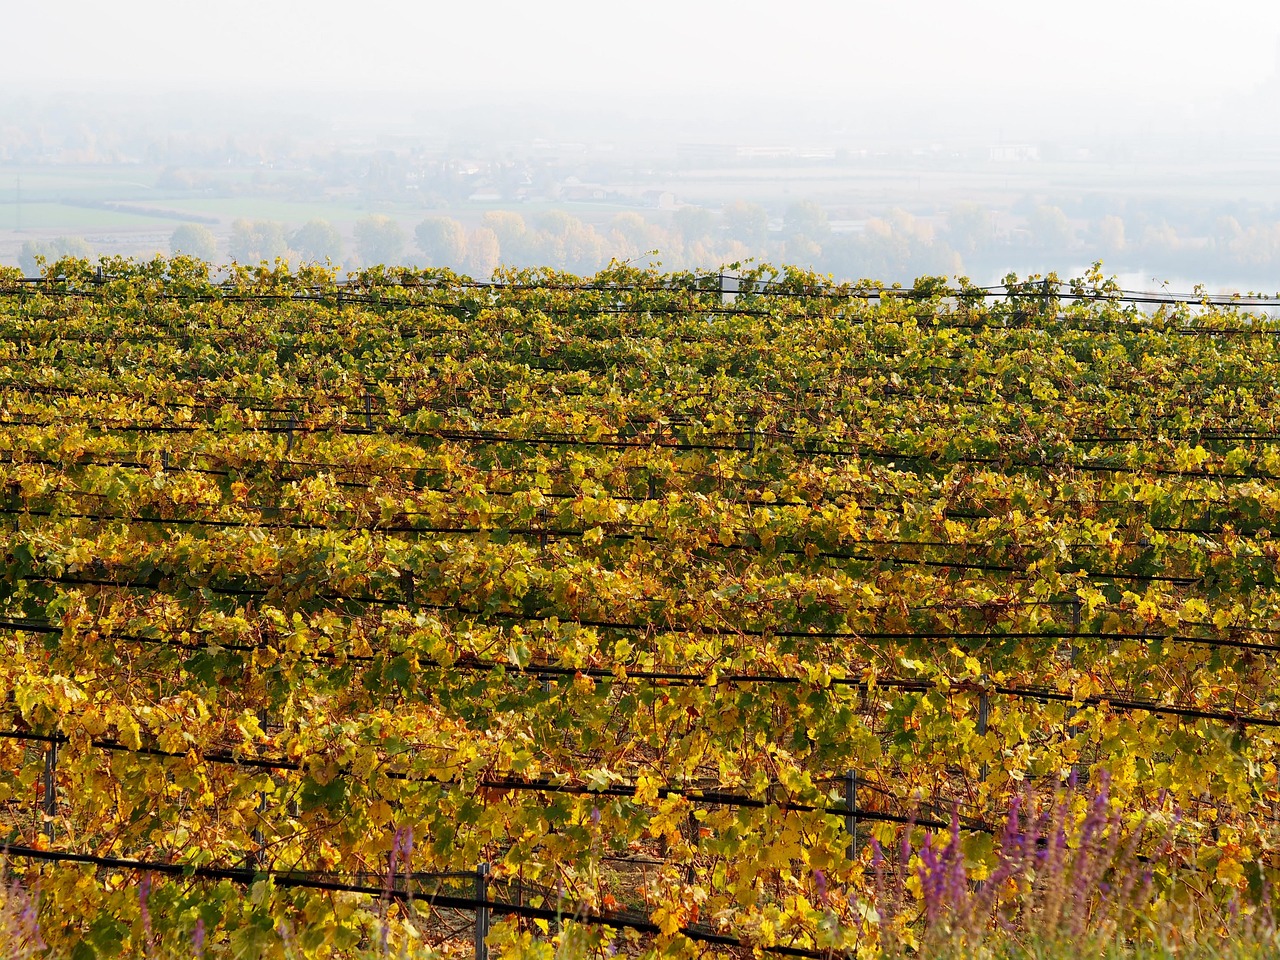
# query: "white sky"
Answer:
x=1099 y=55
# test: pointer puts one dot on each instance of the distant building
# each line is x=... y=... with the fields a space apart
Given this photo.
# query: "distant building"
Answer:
x=765 y=153
x=659 y=199
x=847 y=226
x=583 y=192
x=699 y=154
x=1014 y=153
x=573 y=189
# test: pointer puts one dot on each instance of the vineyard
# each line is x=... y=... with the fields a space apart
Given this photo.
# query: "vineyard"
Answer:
x=617 y=613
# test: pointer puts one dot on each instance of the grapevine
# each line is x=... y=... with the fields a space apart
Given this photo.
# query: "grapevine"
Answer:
x=610 y=584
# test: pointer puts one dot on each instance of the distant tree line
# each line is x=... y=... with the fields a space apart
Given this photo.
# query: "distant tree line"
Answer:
x=1241 y=246
x=35 y=251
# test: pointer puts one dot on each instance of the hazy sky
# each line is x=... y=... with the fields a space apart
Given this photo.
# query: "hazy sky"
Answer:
x=1115 y=54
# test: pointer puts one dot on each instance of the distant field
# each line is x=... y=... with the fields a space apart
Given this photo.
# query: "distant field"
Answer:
x=51 y=196
x=71 y=219
x=78 y=182
x=60 y=198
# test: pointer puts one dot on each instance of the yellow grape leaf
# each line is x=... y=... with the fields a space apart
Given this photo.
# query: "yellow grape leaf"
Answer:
x=127 y=727
x=669 y=819
x=1229 y=870
x=646 y=789
x=667 y=920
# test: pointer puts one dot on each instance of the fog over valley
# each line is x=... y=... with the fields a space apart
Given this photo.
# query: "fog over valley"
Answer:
x=862 y=142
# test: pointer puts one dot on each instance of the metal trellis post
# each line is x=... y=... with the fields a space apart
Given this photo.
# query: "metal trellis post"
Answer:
x=851 y=805
x=1075 y=652
x=694 y=832
x=482 y=911
x=729 y=287
x=259 y=837
x=984 y=714
x=51 y=785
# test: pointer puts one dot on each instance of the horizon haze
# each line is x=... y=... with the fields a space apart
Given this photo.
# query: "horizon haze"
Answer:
x=925 y=137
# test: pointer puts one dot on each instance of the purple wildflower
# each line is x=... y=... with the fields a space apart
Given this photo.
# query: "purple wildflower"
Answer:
x=931 y=879
x=955 y=877
x=29 y=920
x=289 y=941
x=144 y=895
x=401 y=851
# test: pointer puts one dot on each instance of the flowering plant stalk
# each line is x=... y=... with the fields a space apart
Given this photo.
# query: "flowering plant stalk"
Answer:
x=1070 y=875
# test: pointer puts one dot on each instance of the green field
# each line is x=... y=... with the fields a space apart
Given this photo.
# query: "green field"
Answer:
x=812 y=622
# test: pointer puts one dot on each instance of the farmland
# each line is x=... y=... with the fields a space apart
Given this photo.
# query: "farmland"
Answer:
x=675 y=610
